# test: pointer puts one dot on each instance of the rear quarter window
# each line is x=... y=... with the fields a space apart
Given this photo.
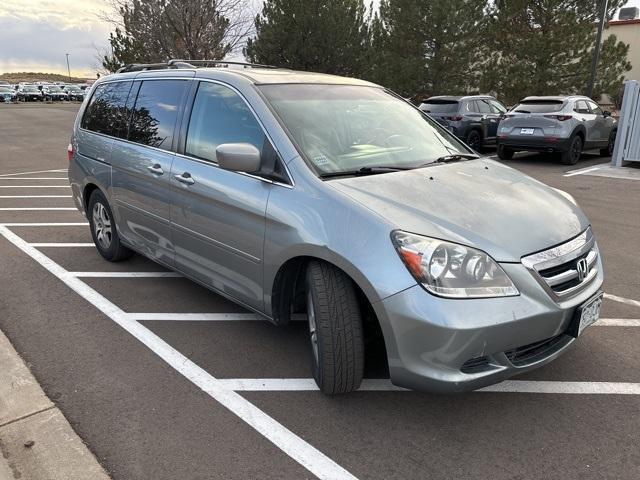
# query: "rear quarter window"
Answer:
x=105 y=112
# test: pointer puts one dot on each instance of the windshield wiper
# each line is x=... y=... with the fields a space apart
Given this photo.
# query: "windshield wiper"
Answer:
x=456 y=157
x=364 y=171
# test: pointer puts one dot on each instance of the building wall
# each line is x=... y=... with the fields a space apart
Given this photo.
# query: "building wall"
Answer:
x=628 y=31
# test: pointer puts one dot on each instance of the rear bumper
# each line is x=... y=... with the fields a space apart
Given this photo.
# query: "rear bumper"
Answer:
x=535 y=144
x=446 y=346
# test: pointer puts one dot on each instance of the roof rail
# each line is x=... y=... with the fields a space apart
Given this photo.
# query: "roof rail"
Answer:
x=176 y=63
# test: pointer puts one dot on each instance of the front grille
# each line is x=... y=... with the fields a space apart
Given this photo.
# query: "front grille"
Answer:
x=568 y=268
x=533 y=352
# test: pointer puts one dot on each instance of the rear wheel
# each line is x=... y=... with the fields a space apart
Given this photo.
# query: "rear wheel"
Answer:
x=505 y=153
x=335 y=329
x=571 y=156
x=608 y=150
x=474 y=140
x=103 y=229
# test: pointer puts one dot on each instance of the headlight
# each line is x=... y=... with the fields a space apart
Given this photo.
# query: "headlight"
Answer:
x=451 y=270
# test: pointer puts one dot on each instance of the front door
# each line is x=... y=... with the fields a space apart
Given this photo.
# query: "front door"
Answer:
x=218 y=216
x=142 y=165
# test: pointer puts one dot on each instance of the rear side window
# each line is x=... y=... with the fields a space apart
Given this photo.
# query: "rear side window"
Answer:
x=106 y=111
x=154 y=114
x=582 y=107
x=439 y=106
x=539 y=106
x=220 y=116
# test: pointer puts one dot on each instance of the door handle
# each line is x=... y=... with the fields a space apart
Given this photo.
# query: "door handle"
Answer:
x=157 y=169
x=185 y=178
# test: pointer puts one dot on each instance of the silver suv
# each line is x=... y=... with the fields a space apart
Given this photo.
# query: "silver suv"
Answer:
x=562 y=125
x=299 y=194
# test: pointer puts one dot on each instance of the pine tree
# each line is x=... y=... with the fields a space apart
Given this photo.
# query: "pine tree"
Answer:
x=328 y=36
x=428 y=46
x=545 y=47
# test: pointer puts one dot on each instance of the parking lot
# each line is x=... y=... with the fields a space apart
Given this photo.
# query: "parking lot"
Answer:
x=164 y=380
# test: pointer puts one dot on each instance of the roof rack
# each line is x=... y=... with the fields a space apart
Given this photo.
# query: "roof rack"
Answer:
x=176 y=63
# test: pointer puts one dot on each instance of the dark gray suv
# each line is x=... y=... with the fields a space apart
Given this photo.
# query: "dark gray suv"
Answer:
x=473 y=119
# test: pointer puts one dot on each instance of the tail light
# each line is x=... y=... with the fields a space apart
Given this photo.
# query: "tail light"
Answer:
x=70 y=152
x=455 y=118
x=562 y=118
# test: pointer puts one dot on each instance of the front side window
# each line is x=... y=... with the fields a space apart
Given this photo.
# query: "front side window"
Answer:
x=220 y=116
x=581 y=107
x=104 y=113
x=595 y=108
x=483 y=106
x=497 y=107
x=345 y=128
x=155 y=112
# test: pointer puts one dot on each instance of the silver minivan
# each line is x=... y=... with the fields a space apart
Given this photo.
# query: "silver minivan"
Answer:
x=300 y=195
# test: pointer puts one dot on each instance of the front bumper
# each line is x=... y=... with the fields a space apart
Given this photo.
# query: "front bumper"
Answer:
x=448 y=345
x=535 y=144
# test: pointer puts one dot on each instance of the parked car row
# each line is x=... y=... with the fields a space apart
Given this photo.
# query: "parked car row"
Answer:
x=563 y=125
x=41 y=91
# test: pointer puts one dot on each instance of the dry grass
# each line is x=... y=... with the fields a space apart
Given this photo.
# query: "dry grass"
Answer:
x=16 y=77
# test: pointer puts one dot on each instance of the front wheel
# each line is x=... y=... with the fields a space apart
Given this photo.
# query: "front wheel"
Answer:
x=103 y=229
x=608 y=150
x=571 y=156
x=335 y=329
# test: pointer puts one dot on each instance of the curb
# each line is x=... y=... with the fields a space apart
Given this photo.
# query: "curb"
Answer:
x=36 y=441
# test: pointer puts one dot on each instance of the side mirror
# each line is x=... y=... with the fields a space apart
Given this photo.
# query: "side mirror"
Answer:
x=238 y=157
x=606 y=113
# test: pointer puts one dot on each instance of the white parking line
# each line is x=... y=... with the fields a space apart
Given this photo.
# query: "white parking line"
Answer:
x=62 y=245
x=124 y=274
x=35 y=186
x=34 y=178
x=628 y=301
x=36 y=209
x=580 y=172
x=43 y=224
x=618 y=322
x=299 y=450
x=194 y=317
x=36 y=196
x=383 y=385
x=29 y=173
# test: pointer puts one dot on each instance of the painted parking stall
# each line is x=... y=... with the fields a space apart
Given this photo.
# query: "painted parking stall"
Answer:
x=259 y=372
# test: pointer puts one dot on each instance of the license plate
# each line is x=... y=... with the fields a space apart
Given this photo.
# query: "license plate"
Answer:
x=527 y=131
x=589 y=313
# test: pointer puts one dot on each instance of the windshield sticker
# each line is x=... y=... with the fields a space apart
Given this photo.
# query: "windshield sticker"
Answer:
x=320 y=160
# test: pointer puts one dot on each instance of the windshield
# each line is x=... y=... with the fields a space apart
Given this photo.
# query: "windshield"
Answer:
x=30 y=88
x=344 y=128
x=539 y=106
x=73 y=89
x=4 y=89
x=53 y=88
x=435 y=106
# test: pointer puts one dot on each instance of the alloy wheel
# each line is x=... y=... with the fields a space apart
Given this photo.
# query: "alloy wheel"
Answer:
x=102 y=225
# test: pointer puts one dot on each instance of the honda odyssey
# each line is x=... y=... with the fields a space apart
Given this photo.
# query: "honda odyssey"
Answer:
x=332 y=199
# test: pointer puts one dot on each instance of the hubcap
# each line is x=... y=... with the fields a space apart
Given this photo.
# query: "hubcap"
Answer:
x=102 y=225
x=313 y=334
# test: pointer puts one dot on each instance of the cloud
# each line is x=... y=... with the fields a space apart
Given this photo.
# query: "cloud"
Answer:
x=36 y=36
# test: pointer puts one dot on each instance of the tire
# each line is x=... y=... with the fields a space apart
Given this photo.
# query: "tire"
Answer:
x=572 y=155
x=608 y=150
x=335 y=329
x=474 y=140
x=103 y=229
x=505 y=153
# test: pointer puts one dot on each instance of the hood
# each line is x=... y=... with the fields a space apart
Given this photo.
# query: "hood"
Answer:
x=480 y=203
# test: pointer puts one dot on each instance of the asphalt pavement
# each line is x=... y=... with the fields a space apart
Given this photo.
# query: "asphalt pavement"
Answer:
x=163 y=379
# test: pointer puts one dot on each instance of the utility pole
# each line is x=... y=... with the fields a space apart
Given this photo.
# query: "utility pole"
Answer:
x=68 y=69
x=596 y=51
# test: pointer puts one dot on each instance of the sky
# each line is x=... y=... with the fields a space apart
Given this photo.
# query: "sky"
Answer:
x=35 y=35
